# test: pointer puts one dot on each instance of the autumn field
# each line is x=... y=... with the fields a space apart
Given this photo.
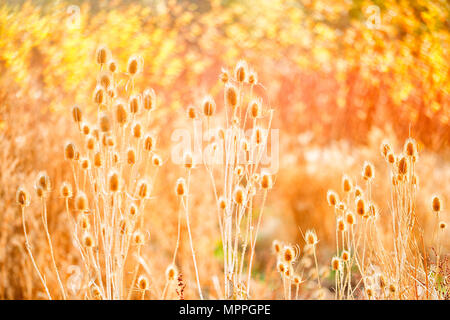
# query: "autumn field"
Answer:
x=224 y=149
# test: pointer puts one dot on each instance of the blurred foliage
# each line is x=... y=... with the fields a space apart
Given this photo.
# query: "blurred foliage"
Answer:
x=335 y=68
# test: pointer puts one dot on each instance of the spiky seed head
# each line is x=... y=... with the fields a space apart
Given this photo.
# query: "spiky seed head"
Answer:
x=43 y=181
x=255 y=108
x=341 y=206
x=347 y=184
x=121 y=112
x=231 y=95
x=90 y=142
x=336 y=264
x=252 y=77
x=382 y=281
x=113 y=181
x=180 y=188
x=99 y=94
x=358 y=192
x=442 y=225
x=368 y=171
x=385 y=148
x=345 y=256
x=138 y=238
x=171 y=273
x=98 y=159
x=148 y=142
x=81 y=201
x=149 y=99
x=402 y=165
x=281 y=267
x=131 y=156
x=332 y=198
x=187 y=160
x=276 y=246
x=436 y=204
x=392 y=288
x=135 y=65
x=222 y=203
x=102 y=54
x=289 y=254
x=85 y=128
x=224 y=75
x=266 y=180
x=258 y=136
x=361 y=207
x=133 y=210
x=192 y=112
x=88 y=240
x=66 y=190
x=410 y=148
x=143 y=189
x=137 y=130
x=156 y=160
x=208 y=106
x=311 y=237
x=143 y=283
x=341 y=226
x=390 y=157
x=84 y=222
x=350 y=218
x=112 y=65
x=241 y=71
x=104 y=122
x=134 y=103
x=369 y=292
x=77 y=115
x=297 y=279
x=85 y=164
x=238 y=195
x=69 y=151
x=22 y=197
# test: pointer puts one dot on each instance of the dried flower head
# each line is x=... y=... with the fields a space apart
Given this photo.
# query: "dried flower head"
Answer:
x=332 y=198
x=143 y=283
x=347 y=185
x=208 y=106
x=368 y=171
x=149 y=99
x=22 y=197
x=81 y=201
x=311 y=237
x=241 y=71
x=436 y=204
x=180 y=188
x=66 y=190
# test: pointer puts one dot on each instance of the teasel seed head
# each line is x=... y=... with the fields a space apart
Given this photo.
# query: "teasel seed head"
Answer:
x=332 y=198
x=22 y=197
x=231 y=96
x=187 y=160
x=134 y=103
x=436 y=204
x=402 y=165
x=137 y=129
x=102 y=54
x=385 y=149
x=77 y=115
x=410 y=148
x=241 y=71
x=98 y=159
x=113 y=181
x=84 y=222
x=143 y=283
x=133 y=210
x=360 y=206
x=266 y=180
x=43 y=181
x=143 y=189
x=345 y=255
x=276 y=246
x=138 y=238
x=350 y=218
x=88 y=240
x=390 y=157
x=311 y=237
x=252 y=77
x=85 y=128
x=81 y=201
x=121 y=112
x=297 y=279
x=171 y=273
x=135 y=65
x=358 y=192
x=104 y=122
x=192 y=112
x=336 y=264
x=148 y=142
x=281 y=267
x=112 y=65
x=66 y=190
x=208 y=106
x=238 y=195
x=224 y=75
x=99 y=94
x=255 y=108
x=222 y=203
x=149 y=99
x=131 y=156
x=368 y=171
x=442 y=225
x=156 y=160
x=90 y=142
x=341 y=226
x=347 y=185
x=180 y=188
x=257 y=136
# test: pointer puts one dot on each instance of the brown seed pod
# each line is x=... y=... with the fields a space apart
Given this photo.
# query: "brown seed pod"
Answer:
x=436 y=204
x=131 y=156
x=121 y=112
x=149 y=99
x=208 y=106
x=231 y=95
x=180 y=188
x=104 y=122
x=360 y=206
x=347 y=185
x=113 y=181
x=311 y=237
x=332 y=198
x=81 y=201
x=102 y=54
x=368 y=171
x=238 y=195
x=22 y=197
x=402 y=165
x=143 y=189
x=134 y=103
x=77 y=115
x=241 y=71
x=112 y=65
x=171 y=273
x=143 y=283
x=266 y=180
x=255 y=107
x=66 y=190
x=148 y=142
x=135 y=65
